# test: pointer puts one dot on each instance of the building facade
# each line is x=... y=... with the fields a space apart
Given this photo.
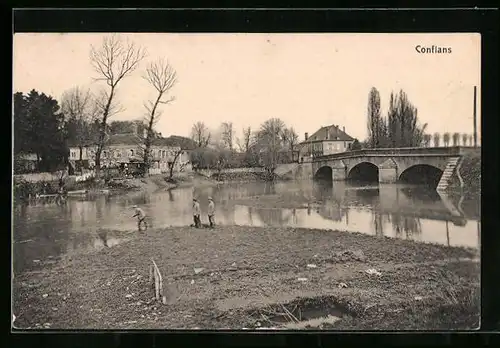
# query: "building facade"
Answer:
x=127 y=149
x=325 y=141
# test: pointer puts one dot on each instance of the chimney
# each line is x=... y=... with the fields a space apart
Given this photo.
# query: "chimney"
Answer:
x=306 y=135
x=343 y=129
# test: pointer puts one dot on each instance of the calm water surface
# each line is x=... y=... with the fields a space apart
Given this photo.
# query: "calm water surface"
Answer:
x=46 y=233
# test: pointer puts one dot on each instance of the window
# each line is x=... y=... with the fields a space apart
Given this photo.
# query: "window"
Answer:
x=131 y=152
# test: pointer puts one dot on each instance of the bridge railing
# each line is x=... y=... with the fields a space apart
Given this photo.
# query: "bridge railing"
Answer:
x=445 y=151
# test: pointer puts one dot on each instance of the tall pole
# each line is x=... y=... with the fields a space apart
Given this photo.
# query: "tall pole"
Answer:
x=475 y=117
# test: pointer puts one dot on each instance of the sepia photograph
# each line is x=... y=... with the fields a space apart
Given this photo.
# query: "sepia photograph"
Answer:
x=246 y=181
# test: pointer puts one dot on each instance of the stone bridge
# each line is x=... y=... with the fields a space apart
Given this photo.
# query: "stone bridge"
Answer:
x=390 y=165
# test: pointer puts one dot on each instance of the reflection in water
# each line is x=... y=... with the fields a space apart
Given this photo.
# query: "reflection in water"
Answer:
x=382 y=210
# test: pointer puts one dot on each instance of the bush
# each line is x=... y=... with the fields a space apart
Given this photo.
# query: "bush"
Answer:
x=23 y=188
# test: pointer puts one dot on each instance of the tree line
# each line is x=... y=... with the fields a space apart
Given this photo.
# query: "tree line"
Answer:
x=401 y=128
x=272 y=143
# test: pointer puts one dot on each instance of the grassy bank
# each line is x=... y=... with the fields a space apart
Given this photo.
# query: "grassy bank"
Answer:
x=470 y=171
x=249 y=277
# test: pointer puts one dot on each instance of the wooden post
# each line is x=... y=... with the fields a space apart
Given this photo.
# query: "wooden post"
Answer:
x=447 y=234
x=158 y=282
x=475 y=117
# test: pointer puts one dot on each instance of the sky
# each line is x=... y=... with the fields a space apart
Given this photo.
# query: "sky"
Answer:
x=307 y=80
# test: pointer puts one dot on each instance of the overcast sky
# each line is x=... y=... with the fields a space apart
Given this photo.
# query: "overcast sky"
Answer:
x=307 y=80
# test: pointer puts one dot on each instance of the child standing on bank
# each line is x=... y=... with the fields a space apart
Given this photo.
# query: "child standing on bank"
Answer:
x=196 y=213
x=211 y=212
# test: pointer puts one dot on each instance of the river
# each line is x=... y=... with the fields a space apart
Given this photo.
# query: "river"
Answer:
x=45 y=233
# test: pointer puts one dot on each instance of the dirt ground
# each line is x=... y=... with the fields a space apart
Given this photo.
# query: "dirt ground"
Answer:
x=250 y=277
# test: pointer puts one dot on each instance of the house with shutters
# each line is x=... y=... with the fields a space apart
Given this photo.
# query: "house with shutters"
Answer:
x=325 y=141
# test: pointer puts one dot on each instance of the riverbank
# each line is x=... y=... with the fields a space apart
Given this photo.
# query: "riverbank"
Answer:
x=249 y=277
x=470 y=171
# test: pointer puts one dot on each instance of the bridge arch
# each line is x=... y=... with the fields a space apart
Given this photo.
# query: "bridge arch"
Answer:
x=324 y=173
x=421 y=174
x=364 y=171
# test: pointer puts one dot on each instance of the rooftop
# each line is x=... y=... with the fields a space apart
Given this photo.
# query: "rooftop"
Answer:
x=133 y=139
x=332 y=132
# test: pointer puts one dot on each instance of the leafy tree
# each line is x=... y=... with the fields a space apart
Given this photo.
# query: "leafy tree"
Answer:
x=400 y=128
x=446 y=139
x=39 y=129
x=356 y=145
x=437 y=138
x=375 y=121
x=403 y=127
x=465 y=136
x=427 y=140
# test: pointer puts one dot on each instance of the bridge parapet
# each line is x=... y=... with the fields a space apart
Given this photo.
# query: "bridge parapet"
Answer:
x=405 y=151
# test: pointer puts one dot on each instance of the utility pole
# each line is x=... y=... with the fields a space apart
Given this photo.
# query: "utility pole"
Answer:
x=475 y=117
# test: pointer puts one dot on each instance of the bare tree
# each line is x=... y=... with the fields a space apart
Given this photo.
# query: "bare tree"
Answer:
x=471 y=139
x=112 y=61
x=200 y=134
x=162 y=77
x=171 y=165
x=437 y=139
x=446 y=139
x=245 y=142
x=77 y=106
x=228 y=135
x=465 y=136
x=456 y=139
x=290 y=139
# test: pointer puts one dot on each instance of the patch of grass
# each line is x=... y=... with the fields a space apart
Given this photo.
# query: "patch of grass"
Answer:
x=471 y=173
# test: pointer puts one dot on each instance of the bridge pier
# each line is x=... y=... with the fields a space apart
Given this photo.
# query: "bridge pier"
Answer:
x=339 y=171
x=388 y=172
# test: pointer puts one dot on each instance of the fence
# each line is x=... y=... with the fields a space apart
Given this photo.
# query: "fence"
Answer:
x=84 y=176
x=154 y=171
x=37 y=177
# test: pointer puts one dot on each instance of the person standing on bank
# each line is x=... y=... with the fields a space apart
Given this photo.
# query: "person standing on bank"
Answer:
x=196 y=213
x=211 y=212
